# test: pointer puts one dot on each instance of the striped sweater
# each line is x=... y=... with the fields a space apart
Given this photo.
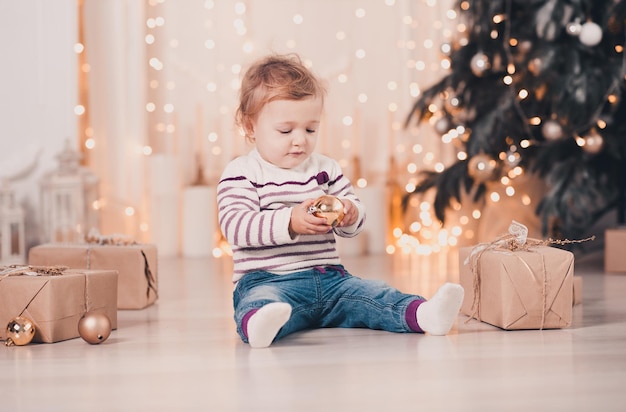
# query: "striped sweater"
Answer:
x=255 y=199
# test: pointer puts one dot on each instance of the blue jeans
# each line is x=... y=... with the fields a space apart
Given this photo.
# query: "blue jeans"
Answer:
x=325 y=297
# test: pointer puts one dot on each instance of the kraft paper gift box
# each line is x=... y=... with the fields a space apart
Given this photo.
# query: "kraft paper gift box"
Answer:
x=614 y=256
x=55 y=303
x=523 y=289
x=578 y=290
x=136 y=264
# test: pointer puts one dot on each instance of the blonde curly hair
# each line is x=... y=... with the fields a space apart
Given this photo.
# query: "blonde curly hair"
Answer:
x=274 y=77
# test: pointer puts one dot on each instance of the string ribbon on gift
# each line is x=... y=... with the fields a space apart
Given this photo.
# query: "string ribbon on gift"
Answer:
x=149 y=277
x=95 y=237
x=18 y=270
x=516 y=240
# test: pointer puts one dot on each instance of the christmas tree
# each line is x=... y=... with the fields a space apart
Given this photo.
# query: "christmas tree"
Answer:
x=534 y=87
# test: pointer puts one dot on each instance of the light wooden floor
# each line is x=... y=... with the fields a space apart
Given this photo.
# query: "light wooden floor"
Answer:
x=183 y=354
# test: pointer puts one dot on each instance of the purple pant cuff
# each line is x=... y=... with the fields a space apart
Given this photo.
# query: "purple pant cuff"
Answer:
x=411 y=316
x=244 y=321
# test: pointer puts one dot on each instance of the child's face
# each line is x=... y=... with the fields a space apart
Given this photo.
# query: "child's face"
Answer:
x=286 y=131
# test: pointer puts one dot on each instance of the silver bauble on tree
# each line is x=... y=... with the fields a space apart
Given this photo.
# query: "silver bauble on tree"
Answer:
x=593 y=142
x=552 y=130
x=442 y=125
x=482 y=167
x=480 y=64
x=512 y=158
x=574 y=28
x=590 y=34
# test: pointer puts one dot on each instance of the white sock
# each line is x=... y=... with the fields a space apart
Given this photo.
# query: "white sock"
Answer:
x=266 y=322
x=437 y=315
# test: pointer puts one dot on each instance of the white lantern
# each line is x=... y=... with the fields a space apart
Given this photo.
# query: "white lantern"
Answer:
x=68 y=199
x=12 y=244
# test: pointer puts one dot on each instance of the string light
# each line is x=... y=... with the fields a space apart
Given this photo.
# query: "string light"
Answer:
x=162 y=108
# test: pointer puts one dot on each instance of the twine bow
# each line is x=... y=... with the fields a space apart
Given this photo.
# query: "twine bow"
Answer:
x=30 y=270
x=94 y=237
x=516 y=240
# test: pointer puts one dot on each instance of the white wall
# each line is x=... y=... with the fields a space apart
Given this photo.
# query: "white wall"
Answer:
x=40 y=83
x=38 y=93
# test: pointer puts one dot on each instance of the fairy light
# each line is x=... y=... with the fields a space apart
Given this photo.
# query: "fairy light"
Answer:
x=161 y=107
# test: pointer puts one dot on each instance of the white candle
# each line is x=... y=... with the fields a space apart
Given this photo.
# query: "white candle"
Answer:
x=373 y=198
x=199 y=220
x=352 y=246
x=164 y=203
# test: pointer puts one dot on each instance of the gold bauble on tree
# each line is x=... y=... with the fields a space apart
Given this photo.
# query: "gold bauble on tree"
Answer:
x=20 y=331
x=330 y=207
x=94 y=327
x=482 y=167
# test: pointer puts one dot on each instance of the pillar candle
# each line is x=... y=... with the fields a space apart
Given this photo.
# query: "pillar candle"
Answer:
x=199 y=220
x=352 y=246
x=164 y=203
x=373 y=197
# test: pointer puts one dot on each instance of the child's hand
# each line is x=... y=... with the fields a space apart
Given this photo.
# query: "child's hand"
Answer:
x=304 y=223
x=351 y=213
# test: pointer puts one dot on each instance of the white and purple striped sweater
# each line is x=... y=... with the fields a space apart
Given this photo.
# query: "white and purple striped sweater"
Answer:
x=255 y=199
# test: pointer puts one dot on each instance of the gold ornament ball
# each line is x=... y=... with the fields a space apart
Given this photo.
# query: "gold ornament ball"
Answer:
x=330 y=207
x=20 y=331
x=94 y=327
x=481 y=167
x=593 y=143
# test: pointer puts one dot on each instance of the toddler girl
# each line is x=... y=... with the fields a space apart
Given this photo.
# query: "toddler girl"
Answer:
x=287 y=271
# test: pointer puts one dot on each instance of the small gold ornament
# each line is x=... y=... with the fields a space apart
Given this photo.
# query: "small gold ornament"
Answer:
x=20 y=331
x=330 y=207
x=94 y=327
